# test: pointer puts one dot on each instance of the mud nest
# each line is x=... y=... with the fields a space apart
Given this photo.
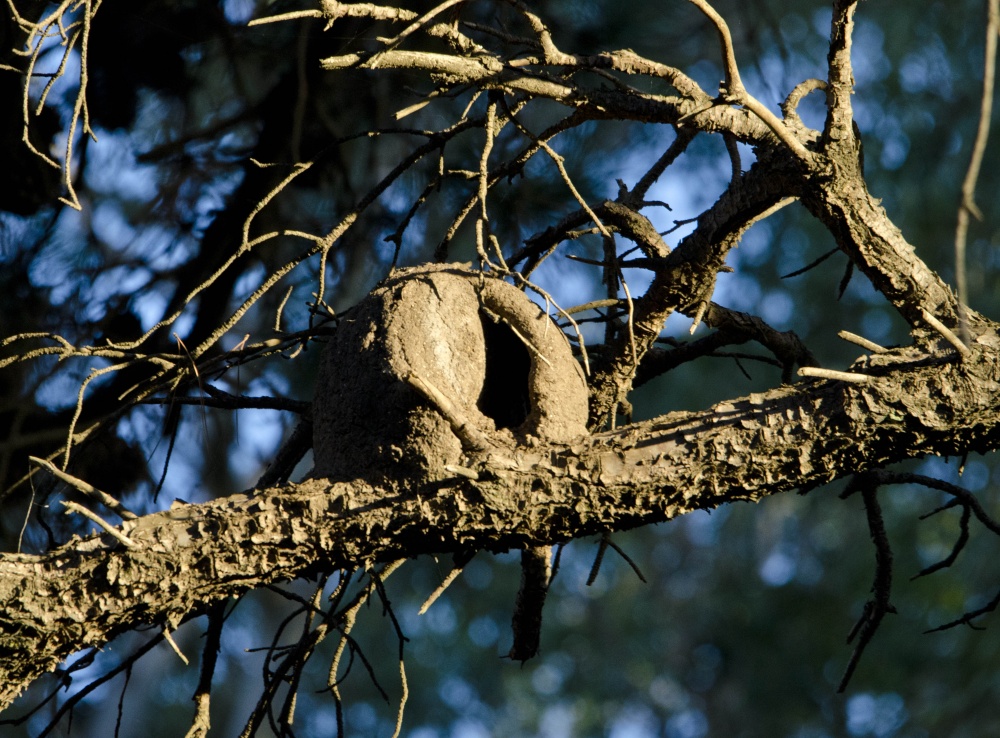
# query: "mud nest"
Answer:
x=491 y=358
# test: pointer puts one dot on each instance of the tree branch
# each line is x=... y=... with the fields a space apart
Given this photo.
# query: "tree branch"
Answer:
x=687 y=278
x=800 y=436
x=865 y=233
x=839 y=129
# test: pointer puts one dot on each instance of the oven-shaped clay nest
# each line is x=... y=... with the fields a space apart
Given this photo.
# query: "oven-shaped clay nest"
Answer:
x=475 y=340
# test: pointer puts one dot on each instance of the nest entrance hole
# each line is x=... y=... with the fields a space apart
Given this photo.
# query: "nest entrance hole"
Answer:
x=506 y=397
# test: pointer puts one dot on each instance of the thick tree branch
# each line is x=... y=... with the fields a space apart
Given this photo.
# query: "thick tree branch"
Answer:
x=865 y=233
x=799 y=436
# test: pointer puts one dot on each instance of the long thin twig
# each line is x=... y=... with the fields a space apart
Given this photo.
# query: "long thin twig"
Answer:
x=73 y=507
x=88 y=489
x=968 y=206
x=968 y=617
x=737 y=93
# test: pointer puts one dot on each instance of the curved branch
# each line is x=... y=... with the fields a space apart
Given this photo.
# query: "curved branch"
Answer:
x=789 y=108
x=735 y=91
x=490 y=72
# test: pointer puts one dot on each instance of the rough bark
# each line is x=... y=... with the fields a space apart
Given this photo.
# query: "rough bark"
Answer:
x=536 y=489
x=919 y=400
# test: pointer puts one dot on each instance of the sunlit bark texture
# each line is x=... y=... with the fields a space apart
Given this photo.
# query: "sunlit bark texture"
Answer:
x=458 y=407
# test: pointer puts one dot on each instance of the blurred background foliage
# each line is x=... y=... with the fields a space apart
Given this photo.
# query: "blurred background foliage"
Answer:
x=740 y=629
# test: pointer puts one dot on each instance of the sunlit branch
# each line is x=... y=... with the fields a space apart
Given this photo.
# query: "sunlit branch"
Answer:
x=838 y=130
x=968 y=205
x=736 y=93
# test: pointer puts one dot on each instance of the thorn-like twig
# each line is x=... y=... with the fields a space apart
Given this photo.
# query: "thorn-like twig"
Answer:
x=173 y=644
x=945 y=331
x=88 y=489
x=73 y=507
x=812 y=264
x=598 y=559
x=628 y=560
x=963 y=538
x=845 y=280
x=460 y=562
x=968 y=617
x=820 y=373
x=862 y=342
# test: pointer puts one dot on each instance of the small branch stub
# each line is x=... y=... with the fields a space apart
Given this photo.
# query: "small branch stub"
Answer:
x=946 y=332
x=862 y=342
x=820 y=373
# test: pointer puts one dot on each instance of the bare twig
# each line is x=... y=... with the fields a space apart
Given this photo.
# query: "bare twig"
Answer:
x=216 y=398
x=956 y=549
x=595 y=568
x=628 y=560
x=735 y=91
x=862 y=342
x=559 y=161
x=968 y=206
x=812 y=264
x=879 y=605
x=446 y=582
x=173 y=645
x=968 y=617
x=293 y=15
x=73 y=507
x=401 y=639
x=88 y=489
x=676 y=148
x=403 y=696
x=820 y=373
x=945 y=331
x=467 y=433
x=845 y=280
